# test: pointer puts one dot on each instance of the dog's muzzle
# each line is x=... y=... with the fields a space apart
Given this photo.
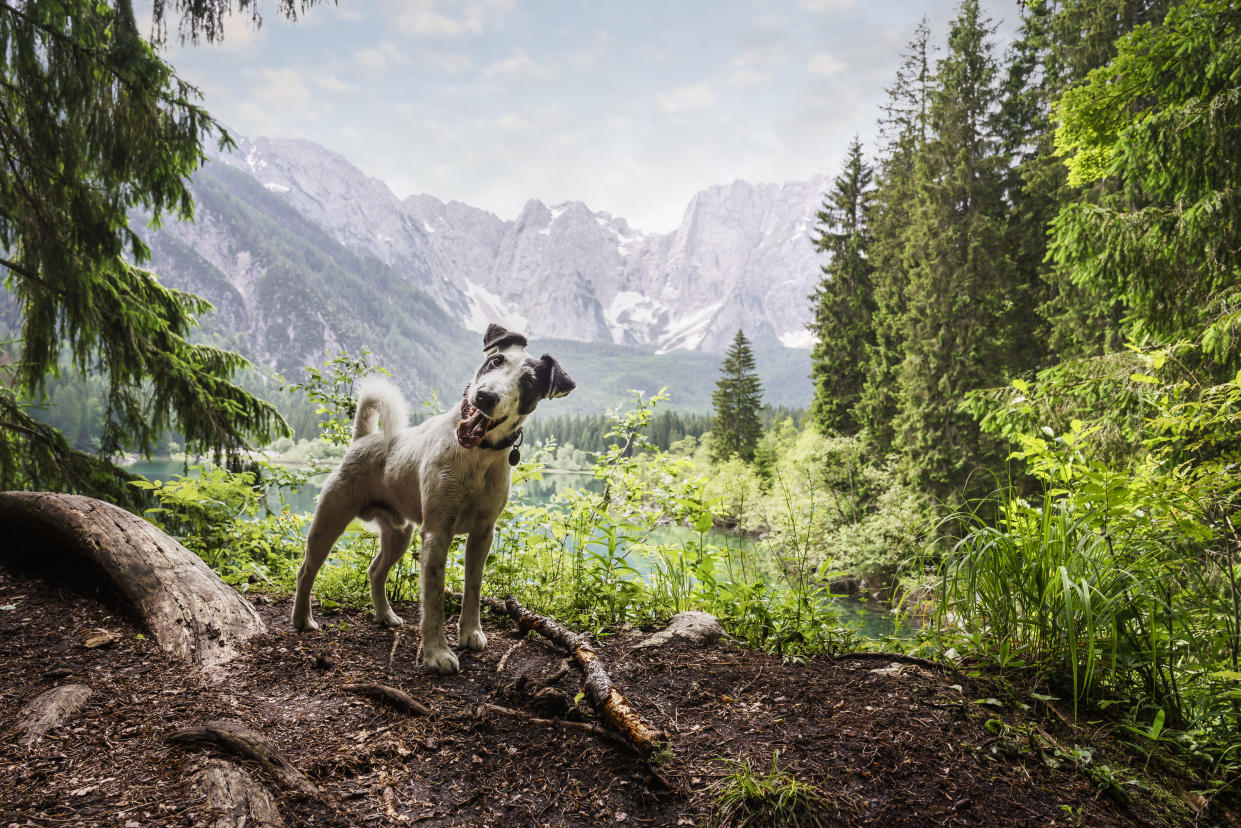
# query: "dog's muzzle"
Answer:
x=473 y=426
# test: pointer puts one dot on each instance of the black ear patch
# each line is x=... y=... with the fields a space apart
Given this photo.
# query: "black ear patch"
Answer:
x=553 y=381
x=498 y=336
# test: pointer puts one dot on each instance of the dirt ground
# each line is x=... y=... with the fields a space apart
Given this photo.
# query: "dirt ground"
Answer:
x=885 y=744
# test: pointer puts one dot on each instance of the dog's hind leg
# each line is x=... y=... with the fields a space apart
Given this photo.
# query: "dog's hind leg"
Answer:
x=331 y=517
x=392 y=545
x=436 y=655
x=469 y=630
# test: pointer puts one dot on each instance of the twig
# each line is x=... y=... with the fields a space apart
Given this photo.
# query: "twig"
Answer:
x=504 y=658
x=606 y=699
x=391 y=696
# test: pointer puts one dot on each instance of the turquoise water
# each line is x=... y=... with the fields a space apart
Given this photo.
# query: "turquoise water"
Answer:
x=873 y=621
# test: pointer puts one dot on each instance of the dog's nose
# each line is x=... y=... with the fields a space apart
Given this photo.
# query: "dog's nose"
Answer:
x=486 y=401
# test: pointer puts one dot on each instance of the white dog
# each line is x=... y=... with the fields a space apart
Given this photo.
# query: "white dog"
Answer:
x=450 y=475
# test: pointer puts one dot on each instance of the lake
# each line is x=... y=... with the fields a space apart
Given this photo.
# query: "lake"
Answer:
x=871 y=620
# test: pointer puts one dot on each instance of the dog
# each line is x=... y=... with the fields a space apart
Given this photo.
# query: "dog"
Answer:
x=449 y=475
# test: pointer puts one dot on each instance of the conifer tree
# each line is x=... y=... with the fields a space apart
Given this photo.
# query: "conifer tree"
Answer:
x=959 y=275
x=844 y=300
x=736 y=427
x=904 y=127
x=95 y=126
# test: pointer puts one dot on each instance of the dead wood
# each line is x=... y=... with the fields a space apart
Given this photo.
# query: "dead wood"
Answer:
x=504 y=658
x=47 y=710
x=390 y=696
x=607 y=700
x=250 y=744
x=234 y=799
x=191 y=613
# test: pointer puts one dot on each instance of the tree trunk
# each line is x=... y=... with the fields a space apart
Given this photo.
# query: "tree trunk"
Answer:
x=191 y=613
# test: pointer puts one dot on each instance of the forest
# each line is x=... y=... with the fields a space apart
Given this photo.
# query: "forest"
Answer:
x=1023 y=443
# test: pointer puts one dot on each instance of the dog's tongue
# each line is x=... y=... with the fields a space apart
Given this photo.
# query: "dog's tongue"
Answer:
x=472 y=428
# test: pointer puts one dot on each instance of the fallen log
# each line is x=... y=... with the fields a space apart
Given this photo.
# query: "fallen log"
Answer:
x=604 y=697
x=47 y=710
x=190 y=612
x=390 y=696
x=234 y=799
x=249 y=744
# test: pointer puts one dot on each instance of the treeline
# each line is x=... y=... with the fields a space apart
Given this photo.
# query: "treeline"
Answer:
x=1022 y=211
x=667 y=427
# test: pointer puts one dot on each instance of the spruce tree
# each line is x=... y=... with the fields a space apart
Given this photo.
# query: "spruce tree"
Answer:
x=96 y=127
x=844 y=299
x=735 y=427
x=960 y=275
x=904 y=127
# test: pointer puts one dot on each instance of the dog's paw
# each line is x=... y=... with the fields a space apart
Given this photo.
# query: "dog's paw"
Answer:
x=391 y=619
x=473 y=640
x=306 y=624
x=442 y=661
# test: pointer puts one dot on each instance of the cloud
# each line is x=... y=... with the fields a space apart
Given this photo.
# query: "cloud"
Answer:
x=454 y=63
x=423 y=19
x=825 y=64
x=824 y=5
x=687 y=98
x=379 y=57
x=520 y=65
x=746 y=76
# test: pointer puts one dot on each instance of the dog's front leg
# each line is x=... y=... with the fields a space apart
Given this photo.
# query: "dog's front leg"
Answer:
x=469 y=630
x=436 y=655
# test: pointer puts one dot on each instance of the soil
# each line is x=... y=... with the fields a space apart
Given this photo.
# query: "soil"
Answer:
x=884 y=743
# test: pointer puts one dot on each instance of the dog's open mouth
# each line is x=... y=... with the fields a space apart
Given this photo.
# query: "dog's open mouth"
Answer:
x=473 y=426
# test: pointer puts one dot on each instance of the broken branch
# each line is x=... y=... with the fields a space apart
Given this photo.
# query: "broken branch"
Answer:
x=250 y=744
x=391 y=696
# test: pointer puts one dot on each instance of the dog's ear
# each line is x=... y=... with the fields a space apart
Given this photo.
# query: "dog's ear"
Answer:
x=498 y=336
x=553 y=380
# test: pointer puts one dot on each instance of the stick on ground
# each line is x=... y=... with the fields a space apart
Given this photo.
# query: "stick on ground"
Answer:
x=607 y=700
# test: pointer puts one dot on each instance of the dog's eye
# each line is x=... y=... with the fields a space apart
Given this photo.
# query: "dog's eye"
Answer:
x=496 y=361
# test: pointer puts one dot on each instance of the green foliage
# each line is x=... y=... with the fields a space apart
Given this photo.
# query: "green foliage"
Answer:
x=330 y=388
x=96 y=125
x=960 y=272
x=738 y=396
x=1120 y=581
x=748 y=796
x=844 y=299
x=1162 y=121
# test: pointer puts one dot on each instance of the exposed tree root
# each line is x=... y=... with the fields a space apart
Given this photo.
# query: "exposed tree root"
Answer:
x=606 y=699
x=46 y=710
x=191 y=613
x=390 y=696
x=234 y=799
x=242 y=741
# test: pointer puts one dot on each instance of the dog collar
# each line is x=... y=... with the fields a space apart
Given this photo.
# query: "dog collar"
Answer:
x=513 y=440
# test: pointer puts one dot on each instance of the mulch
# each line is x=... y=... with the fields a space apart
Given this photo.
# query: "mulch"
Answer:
x=884 y=743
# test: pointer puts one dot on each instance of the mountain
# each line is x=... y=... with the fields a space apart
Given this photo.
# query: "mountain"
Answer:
x=303 y=256
x=742 y=256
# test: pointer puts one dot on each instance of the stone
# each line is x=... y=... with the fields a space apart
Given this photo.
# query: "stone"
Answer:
x=700 y=628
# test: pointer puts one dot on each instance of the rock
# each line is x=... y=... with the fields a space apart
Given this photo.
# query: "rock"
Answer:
x=696 y=627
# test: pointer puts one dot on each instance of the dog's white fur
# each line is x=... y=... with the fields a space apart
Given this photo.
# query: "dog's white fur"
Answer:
x=400 y=476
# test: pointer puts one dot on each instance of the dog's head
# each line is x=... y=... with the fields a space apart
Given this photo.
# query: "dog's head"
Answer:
x=510 y=383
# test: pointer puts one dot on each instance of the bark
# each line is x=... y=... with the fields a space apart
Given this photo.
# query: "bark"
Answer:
x=250 y=744
x=234 y=799
x=390 y=696
x=190 y=612
x=47 y=710
x=607 y=700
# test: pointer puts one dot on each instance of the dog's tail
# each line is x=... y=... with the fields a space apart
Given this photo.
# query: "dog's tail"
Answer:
x=379 y=401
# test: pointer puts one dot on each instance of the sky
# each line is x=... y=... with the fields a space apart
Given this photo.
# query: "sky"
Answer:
x=631 y=107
